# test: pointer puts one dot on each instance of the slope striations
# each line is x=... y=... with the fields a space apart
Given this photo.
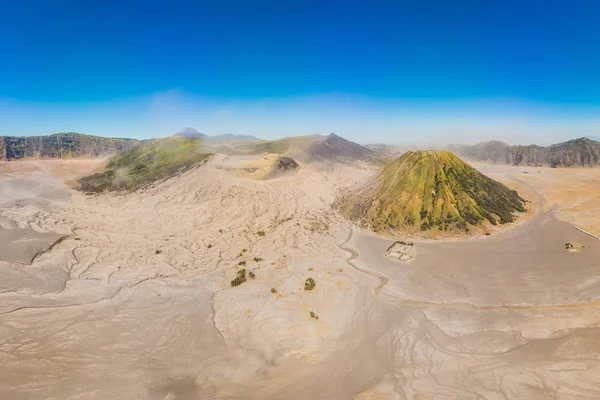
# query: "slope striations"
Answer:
x=582 y=152
x=61 y=145
x=334 y=147
x=423 y=190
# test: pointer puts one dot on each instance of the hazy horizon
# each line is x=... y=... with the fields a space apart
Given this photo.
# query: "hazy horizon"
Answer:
x=395 y=123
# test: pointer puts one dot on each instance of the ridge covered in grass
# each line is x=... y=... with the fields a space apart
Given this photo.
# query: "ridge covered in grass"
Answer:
x=423 y=190
x=152 y=161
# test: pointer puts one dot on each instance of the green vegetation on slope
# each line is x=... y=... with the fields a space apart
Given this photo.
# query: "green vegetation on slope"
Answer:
x=61 y=145
x=276 y=146
x=424 y=190
x=144 y=164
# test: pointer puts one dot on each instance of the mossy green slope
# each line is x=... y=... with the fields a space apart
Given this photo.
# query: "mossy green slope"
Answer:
x=151 y=161
x=423 y=190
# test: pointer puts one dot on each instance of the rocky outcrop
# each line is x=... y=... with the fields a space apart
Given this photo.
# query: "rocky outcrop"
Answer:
x=61 y=145
x=581 y=152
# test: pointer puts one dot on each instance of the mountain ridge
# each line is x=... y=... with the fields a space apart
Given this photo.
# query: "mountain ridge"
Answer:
x=153 y=160
x=62 y=145
x=309 y=148
x=581 y=152
x=190 y=132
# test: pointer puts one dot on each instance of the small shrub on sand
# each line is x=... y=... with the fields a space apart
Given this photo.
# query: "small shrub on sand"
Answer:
x=251 y=275
x=273 y=290
x=238 y=281
x=309 y=284
x=241 y=278
x=260 y=233
x=257 y=259
x=242 y=263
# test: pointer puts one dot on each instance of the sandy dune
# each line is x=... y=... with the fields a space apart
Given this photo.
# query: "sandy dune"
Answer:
x=136 y=302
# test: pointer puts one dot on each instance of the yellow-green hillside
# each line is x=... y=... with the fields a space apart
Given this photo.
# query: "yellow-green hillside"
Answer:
x=149 y=162
x=424 y=190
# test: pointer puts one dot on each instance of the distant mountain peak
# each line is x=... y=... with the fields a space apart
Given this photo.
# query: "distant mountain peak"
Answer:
x=337 y=147
x=190 y=132
x=332 y=138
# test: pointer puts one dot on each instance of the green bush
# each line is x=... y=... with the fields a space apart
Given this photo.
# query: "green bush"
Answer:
x=309 y=284
x=238 y=281
x=251 y=275
x=241 y=278
x=260 y=233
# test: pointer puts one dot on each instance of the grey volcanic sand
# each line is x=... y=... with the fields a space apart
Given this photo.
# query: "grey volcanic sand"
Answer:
x=22 y=244
x=496 y=270
x=511 y=316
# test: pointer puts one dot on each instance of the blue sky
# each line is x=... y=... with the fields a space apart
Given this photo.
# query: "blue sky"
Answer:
x=396 y=71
